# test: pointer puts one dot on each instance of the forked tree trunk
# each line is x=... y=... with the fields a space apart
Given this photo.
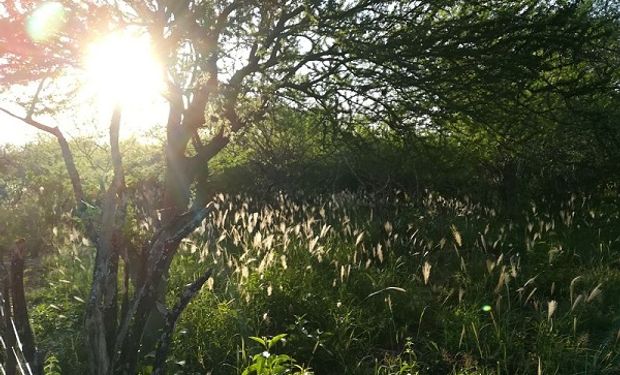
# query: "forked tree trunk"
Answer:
x=115 y=342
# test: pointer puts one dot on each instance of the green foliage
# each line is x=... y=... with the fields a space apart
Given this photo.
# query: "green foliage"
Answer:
x=402 y=364
x=344 y=276
x=52 y=366
x=35 y=192
x=369 y=284
x=33 y=195
x=269 y=363
x=60 y=287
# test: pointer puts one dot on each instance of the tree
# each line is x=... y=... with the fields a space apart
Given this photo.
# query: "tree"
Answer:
x=530 y=84
x=417 y=67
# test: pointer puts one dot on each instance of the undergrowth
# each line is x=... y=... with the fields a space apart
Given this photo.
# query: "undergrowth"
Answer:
x=368 y=284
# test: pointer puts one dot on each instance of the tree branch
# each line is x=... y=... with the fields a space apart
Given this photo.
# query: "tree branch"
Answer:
x=163 y=346
x=67 y=155
x=162 y=246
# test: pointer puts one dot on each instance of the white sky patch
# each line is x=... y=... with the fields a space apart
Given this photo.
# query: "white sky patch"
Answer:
x=13 y=131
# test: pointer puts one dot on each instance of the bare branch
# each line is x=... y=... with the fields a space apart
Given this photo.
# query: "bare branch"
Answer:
x=33 y=103
x=67 y=155
x=48 y=129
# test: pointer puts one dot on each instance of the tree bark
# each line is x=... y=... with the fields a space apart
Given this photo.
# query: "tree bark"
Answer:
x=163 y=346
x=6 y=329
x=102 y=306
x=19 y=311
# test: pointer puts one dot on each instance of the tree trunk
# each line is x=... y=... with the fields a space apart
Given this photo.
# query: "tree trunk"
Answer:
x=15 y=329
x=6 y=329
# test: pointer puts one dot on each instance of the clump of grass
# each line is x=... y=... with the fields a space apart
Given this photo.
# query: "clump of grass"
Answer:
x=58 y=293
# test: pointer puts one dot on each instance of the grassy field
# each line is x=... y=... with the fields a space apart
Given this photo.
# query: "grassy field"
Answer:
x=374 y=284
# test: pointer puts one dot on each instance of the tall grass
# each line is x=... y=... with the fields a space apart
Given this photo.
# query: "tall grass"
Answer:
x=383 y=284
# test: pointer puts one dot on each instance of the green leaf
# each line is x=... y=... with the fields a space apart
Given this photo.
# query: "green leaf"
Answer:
x=259 y=340
x=275 y=340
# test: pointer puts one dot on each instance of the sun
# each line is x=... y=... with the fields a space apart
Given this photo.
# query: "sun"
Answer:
x=122 y=70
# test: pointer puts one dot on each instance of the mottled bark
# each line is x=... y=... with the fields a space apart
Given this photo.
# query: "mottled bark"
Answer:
x=102 y=306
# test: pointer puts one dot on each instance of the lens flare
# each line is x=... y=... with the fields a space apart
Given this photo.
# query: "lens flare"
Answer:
x=122 y=69
x=46 y=21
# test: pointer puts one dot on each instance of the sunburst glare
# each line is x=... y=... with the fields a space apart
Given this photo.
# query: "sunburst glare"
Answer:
x=121 y=69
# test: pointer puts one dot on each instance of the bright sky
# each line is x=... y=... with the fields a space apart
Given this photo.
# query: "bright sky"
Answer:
x=87 y=120
x=12 y=131
x=117 y=69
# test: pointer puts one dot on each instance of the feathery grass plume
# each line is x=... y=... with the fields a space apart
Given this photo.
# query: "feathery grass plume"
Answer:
x=594 y=293
x=426 y=271
x=388 y=227
x=551 y=307
x=380 y=252
x=359 y=238
x=457 y=235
